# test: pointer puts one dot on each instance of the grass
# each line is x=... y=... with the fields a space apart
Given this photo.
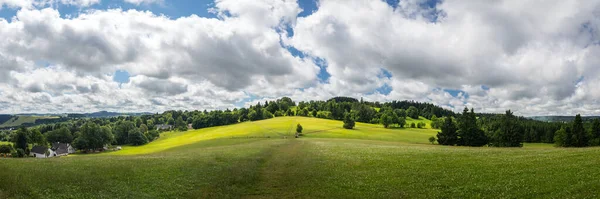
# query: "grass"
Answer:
x=4 y=143
x=239 y=161
x=20 y=120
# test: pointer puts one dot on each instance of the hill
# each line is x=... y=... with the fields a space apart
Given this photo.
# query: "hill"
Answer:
x=28 y=120
x=252 y=160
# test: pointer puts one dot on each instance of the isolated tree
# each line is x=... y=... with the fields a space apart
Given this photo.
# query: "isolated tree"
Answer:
x=348 y=121
x=62 y=135
x=448 y=134
x=432 y=139
x=413 y=125
x=298 y=129
x=413 y=112
x=580 y=137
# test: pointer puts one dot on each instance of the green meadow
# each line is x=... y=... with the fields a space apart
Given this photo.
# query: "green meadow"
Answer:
x=262 y=160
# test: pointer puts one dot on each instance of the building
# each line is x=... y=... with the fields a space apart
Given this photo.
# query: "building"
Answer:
x=40 y=151
x=61 y=149
x=164 y=127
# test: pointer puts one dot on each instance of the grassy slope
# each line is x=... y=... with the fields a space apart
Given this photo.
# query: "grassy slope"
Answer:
x=279 y=127
x=194 y=165
x=19 y=120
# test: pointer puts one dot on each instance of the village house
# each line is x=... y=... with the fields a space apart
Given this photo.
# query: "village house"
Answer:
x=164 y=127
x=61 y=149
x=40 y=152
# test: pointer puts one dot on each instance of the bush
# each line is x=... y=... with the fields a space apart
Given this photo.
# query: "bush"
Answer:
x=20 y=153
x=421 y=125
x=348 y=122
x=299 y=129
x=432 y=139
x=6 y=149
x=412 y=125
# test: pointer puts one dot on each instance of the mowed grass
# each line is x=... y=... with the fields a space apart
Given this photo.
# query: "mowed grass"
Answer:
x=253 y=160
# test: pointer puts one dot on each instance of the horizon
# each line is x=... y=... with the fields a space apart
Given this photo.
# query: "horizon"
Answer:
x=135 y=56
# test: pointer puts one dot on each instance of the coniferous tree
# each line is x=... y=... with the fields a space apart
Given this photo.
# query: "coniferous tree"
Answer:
x=580 y=138
x=469 y=133
x=510 y=133
x=595 y=134
x=448 y=134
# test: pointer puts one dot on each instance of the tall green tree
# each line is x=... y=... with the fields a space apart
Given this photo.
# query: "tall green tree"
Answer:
x=510 y=133
x=469 y=133
x=580 y=137
x=20 y=138
x=448 y=135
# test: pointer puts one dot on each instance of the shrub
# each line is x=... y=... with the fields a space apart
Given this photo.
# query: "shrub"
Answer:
x=432 y=139
x=412 y=125
x=299 y=129
x=20 y=153
x=421 y=125
x=5 y=149
x=348 y=122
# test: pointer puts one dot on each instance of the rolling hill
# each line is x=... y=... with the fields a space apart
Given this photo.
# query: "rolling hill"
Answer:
x=253 y=160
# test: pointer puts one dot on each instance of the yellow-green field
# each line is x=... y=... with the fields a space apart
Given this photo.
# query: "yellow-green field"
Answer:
x=253 y=160
x=281 y=127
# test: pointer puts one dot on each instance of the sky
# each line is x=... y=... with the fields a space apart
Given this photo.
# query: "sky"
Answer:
x=537 y=57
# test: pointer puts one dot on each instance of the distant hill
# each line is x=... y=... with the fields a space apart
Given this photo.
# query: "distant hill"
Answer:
x=561 y=118
x=102 y=114
x=29 y=120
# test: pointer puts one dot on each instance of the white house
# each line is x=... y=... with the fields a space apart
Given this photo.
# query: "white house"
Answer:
x=61 y=149
x=40 y=152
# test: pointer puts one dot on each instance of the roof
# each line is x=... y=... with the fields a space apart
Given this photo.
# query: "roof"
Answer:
x=60 y=148
x=163 y=126
x=39 y=149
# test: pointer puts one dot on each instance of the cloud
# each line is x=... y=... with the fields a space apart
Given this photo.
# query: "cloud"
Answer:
x=139 y=2
x=526 y=59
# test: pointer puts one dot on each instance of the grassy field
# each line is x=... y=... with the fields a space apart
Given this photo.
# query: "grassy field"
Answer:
x=19 y=120
x=252 y=160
